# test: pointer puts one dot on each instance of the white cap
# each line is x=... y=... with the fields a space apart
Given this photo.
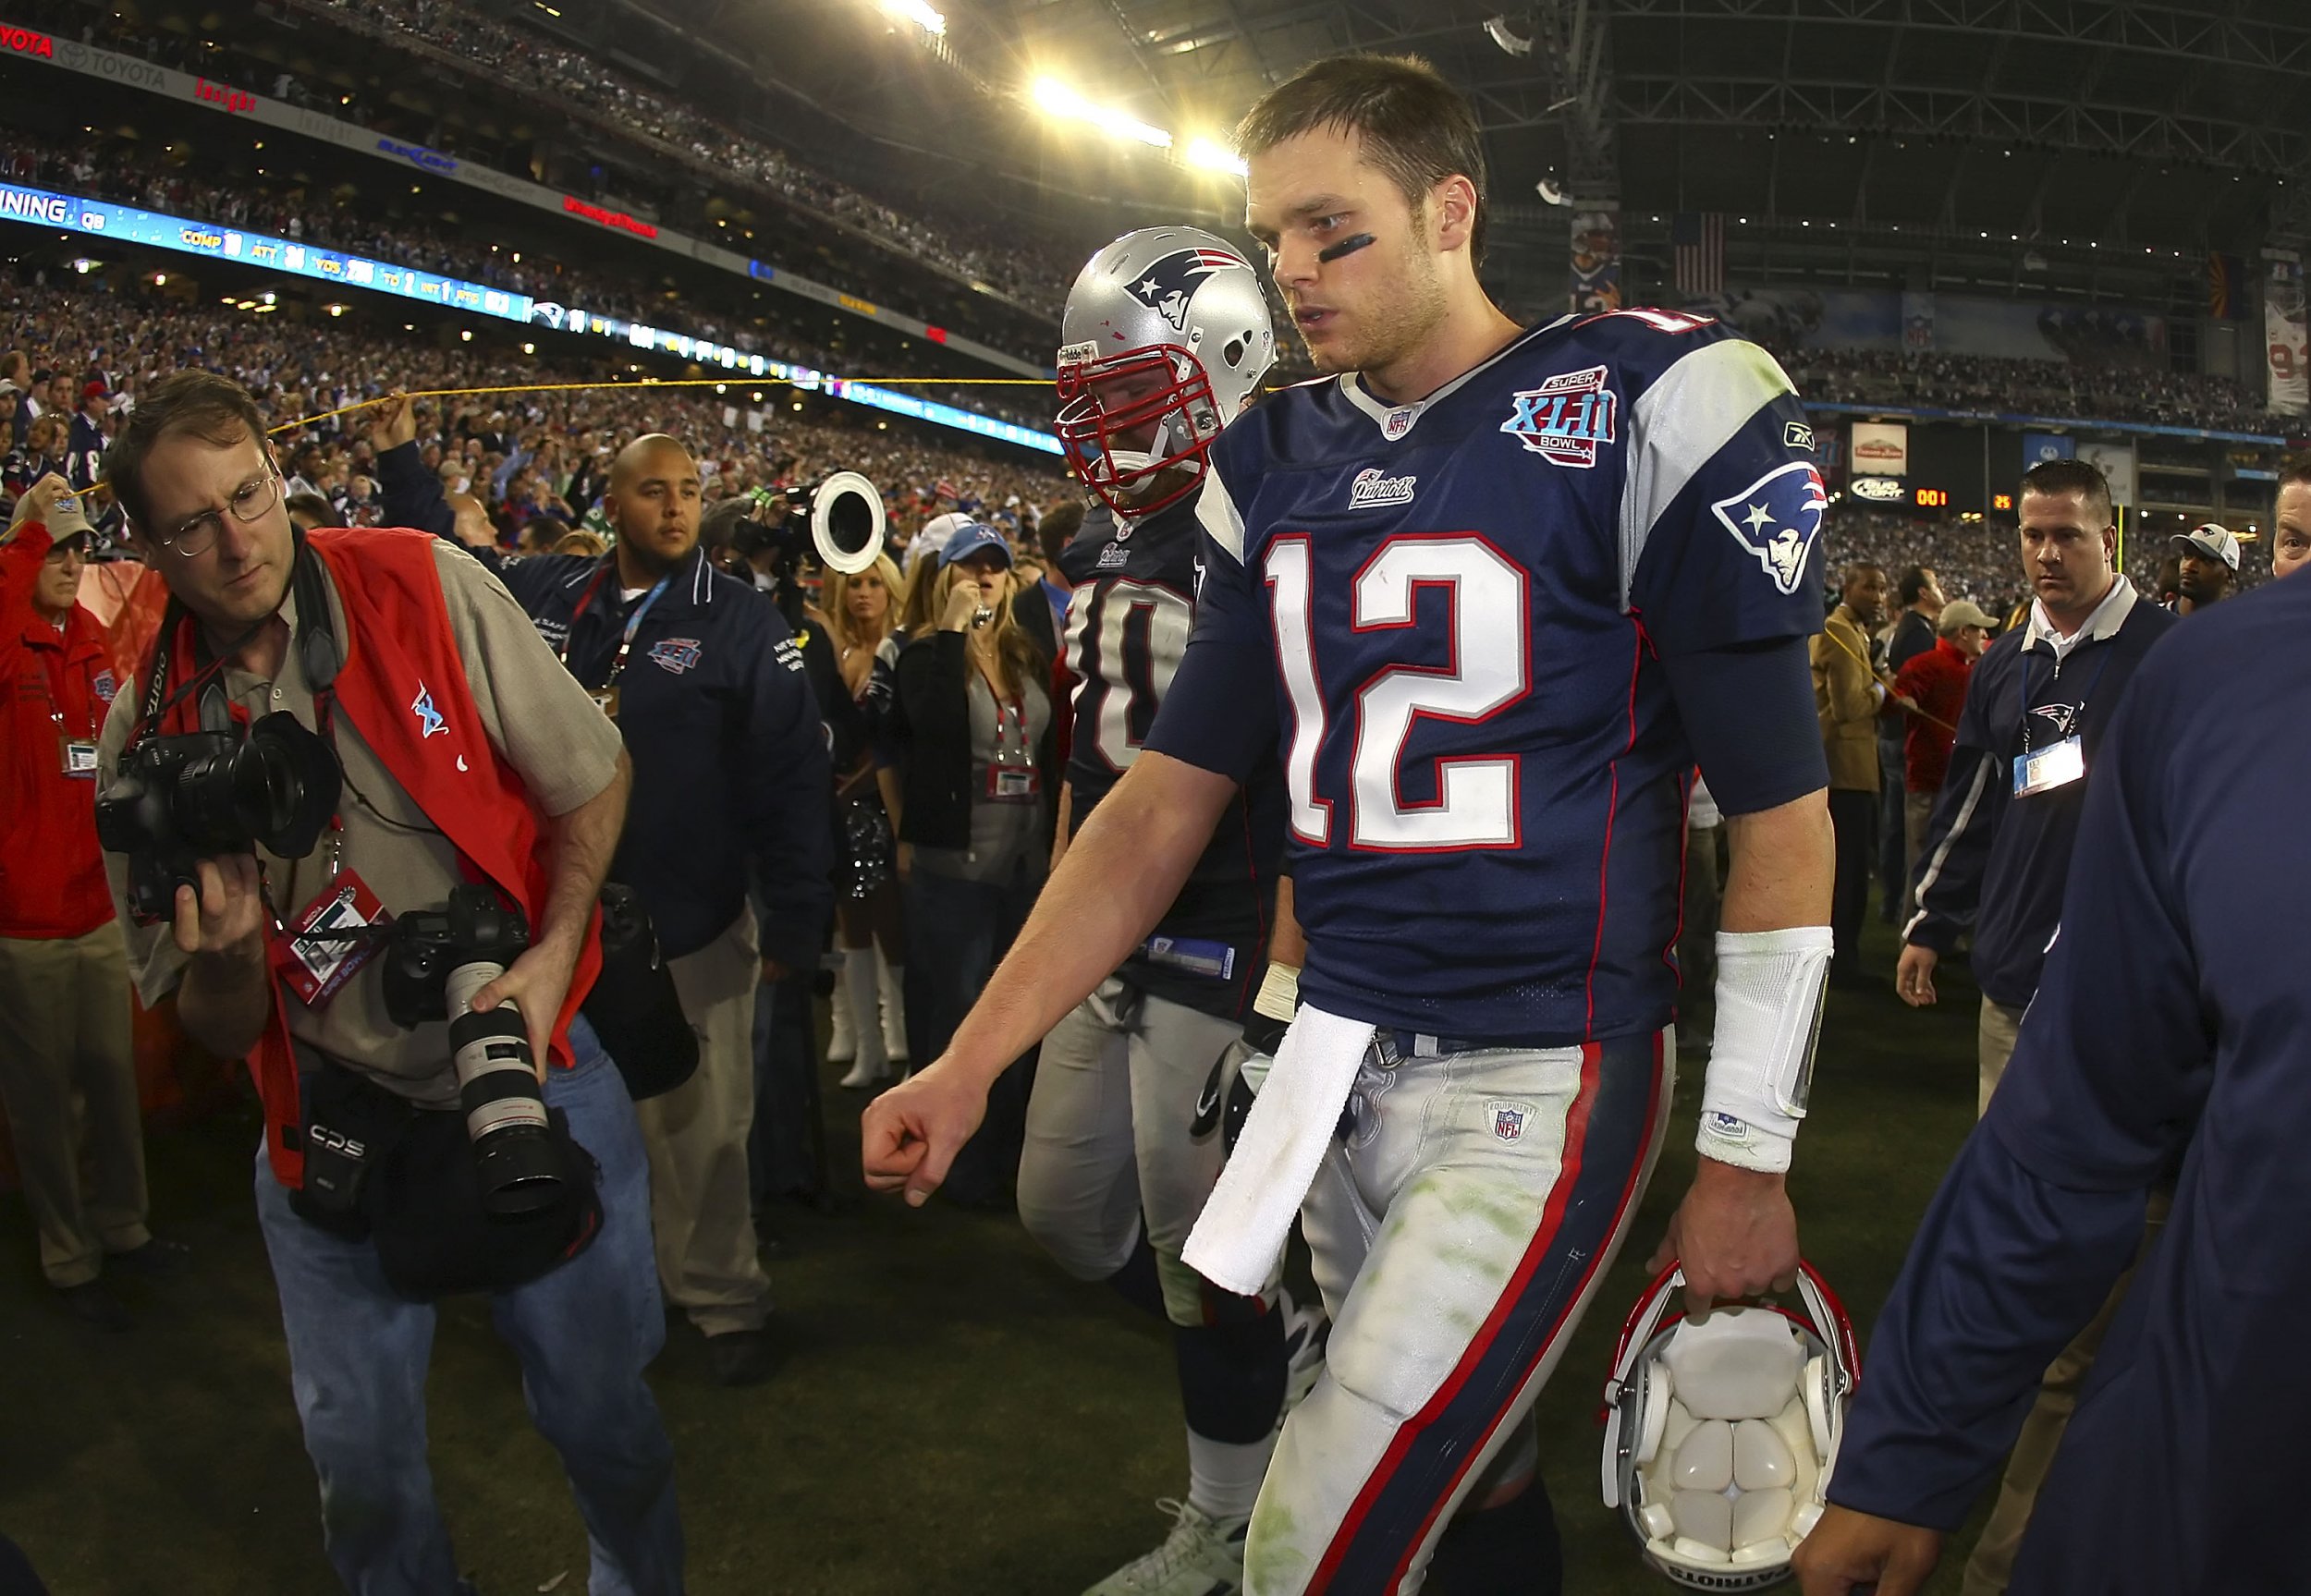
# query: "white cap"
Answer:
x=933 y=539
x=2217 y=543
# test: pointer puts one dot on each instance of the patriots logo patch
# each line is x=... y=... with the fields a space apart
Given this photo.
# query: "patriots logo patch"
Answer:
x=104 y=686
x=1168 y=284
x=1776 y=518
x=429 y=720
x=2061 y=717
x=675 y=654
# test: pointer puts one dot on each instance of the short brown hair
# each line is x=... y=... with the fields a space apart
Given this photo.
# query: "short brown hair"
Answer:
x=1416 y=127
x=215 y=409
x=2295 y=469
x=2057 y=478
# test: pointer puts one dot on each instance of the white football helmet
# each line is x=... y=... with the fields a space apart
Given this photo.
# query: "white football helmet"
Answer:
x=1164 y=337
x=1719 y=1437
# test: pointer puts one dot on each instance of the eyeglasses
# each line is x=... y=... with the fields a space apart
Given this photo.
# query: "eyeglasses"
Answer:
x=250 y=500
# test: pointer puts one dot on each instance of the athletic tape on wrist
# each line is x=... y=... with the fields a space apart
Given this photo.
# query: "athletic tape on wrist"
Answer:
x=1770 y=986
x=1279 y=992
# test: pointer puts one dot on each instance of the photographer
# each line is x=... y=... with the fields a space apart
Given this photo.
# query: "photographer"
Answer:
x=65 y=1030
x=732 y=786
x=466 y=756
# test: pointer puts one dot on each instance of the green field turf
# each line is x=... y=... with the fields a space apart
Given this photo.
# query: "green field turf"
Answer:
x=956 y=1418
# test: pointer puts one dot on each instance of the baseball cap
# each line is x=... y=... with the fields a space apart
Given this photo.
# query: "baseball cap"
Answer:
x=975 y=539
x=1961 y=612
x=934 y=537
x=94 y=391
x=2217 y=543
x=7 y=387
x=64 y=517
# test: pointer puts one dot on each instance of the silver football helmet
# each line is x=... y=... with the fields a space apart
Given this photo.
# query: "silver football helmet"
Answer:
x=1164 y=337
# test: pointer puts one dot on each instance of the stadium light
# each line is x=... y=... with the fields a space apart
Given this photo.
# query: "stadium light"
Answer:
x=1213 y=156
x=922 y=16
x=1056 y=99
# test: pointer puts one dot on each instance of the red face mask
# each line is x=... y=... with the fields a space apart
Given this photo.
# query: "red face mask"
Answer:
x=1136 y=426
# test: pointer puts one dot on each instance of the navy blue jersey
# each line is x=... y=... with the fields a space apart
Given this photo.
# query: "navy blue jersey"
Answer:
x=1452 y=616
x=2172 y=1025
x=1127 y=627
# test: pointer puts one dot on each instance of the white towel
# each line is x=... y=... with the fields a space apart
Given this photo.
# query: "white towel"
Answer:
x=1240 y=1235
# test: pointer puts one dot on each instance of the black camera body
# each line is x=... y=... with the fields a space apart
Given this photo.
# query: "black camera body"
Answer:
x=435 y=962
x=178 y=800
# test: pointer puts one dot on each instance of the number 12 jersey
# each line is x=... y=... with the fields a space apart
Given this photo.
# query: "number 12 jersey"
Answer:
x=1450 y=618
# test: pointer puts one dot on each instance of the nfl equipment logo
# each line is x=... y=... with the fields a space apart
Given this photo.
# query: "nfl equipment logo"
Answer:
x=1507 y=1119
x=1566 y=418
x=1775 y=518
x=1167 y=286
x=1399 y=422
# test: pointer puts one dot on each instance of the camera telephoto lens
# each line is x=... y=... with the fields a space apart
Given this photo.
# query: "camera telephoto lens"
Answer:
x=497 y=1087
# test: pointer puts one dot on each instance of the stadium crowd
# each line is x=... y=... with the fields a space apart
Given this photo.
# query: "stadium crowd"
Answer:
x=1031 y=274
x=123 y=170
x=2029 y=386
x=518 y=452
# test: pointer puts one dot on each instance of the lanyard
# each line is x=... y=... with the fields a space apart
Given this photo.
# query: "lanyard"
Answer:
x=633 y=622
x=2080 y=714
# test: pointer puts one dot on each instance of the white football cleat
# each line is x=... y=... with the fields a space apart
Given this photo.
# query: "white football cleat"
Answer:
x=1200 y=1557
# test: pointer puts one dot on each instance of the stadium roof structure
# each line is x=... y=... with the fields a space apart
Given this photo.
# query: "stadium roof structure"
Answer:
x=2101 y=144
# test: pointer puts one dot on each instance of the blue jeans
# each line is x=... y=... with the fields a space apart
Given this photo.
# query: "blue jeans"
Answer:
x=358 y=1355
x=960 y=930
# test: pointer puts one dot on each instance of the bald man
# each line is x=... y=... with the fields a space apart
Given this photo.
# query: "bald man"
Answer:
x=732 y=791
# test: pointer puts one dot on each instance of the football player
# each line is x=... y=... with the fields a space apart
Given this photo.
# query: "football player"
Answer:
x=1493 y=592
x=1167 y=336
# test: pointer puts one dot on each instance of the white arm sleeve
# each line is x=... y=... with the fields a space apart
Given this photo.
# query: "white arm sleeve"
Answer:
x=1771 y=985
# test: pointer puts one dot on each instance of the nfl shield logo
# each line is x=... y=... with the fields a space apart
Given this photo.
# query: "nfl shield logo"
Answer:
x=1507 y=1119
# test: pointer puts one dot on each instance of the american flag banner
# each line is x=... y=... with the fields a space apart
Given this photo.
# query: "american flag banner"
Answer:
x=1698 y=238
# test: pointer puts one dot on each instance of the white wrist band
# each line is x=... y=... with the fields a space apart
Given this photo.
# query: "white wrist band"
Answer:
x=1279 y=992
x=1770 y=986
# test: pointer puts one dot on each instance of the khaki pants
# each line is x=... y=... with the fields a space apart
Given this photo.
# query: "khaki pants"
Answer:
x=1994 y=1045
x=1916 y=810
x=1992 y=1563
x=68 y=1076
x=696 y=1135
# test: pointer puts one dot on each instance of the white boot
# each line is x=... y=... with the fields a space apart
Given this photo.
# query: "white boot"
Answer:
x=842 y=1039
x=873 y=1065
x=894 y=1009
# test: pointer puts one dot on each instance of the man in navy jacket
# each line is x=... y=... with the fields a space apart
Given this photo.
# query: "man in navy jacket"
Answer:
x=1996 y=852
x=2172 y=1029
x=732 y=787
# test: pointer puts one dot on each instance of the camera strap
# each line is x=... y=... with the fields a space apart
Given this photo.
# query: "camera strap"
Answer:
x=318 y=652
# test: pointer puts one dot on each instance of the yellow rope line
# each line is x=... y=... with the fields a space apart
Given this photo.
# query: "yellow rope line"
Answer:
x=661 y=383
x=1865 y=664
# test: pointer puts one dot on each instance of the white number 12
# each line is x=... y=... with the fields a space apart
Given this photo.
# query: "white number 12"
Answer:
x=1490 y=668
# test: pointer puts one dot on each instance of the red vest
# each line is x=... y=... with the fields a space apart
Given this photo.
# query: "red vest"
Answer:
x=403 y=687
